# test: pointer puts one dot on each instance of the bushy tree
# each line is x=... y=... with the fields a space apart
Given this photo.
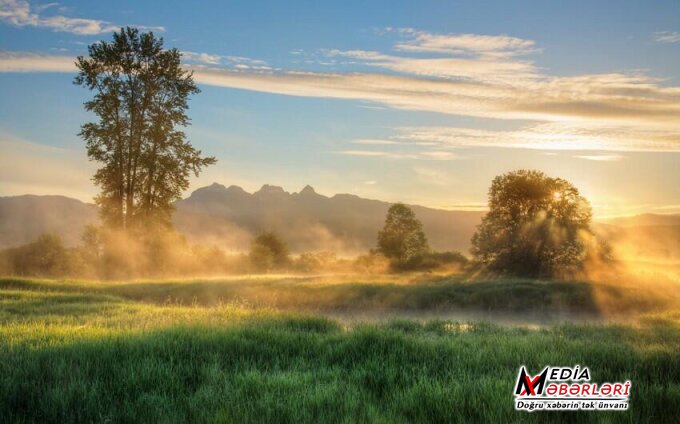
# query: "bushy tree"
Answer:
x=268 y=252
x=45 y=257
x=317 y=261
x=402 y=239
x=444 y=261
x=537 y=226
x=140 y=100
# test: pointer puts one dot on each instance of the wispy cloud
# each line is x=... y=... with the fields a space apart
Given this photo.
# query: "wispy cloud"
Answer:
x=481 y=68
x=449 y=56
x=667 y=37
x=420 y=155
x=600 y=158
x=37 y=62
x=205 y=58
x=234 y=62
x=626 y=99
x=563 y=136
x=372 y=107
x=554 y=136
x=247 y=63
x=374 y=141
x=472 y=75
x=466 y=75
x=21 y=14
x=493 y=45
x=31 y=62
x=375 y=154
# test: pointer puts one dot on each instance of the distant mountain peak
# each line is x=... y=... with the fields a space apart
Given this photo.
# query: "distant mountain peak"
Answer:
x=308 y=190
x=269 y=190
x=214 y=187
x=347 y=196
x=236 y=189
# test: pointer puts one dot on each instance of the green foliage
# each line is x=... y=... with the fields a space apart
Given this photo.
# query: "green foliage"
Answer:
x=402 y=239
x=140 y=100
x=453 y=261
x=155 y=254
x=107 y=254
x=537 y=226
x=69 y=356
x=93 y=243
x=371 y=263
x=46 y=256
x=318 y=262
x=268 y=252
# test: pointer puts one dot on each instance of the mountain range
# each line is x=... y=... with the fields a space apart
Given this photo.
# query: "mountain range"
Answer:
x=229 y=217
x=308 y=220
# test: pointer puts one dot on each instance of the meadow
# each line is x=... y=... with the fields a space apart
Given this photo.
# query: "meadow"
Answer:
x=414 y=348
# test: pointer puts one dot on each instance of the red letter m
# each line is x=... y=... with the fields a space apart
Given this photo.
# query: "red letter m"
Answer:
x=527 y=385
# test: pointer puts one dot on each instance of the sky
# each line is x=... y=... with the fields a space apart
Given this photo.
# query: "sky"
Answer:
x=420 y=102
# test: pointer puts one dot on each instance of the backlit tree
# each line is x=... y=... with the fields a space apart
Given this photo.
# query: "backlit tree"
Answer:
x=140 y=101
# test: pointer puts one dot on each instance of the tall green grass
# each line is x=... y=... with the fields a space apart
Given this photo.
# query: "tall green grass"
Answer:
x=419 y=293
x=92 y=356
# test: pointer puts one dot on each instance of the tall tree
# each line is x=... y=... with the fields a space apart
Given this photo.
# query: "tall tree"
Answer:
x=402 y=239
x=140 y=99
x=537 y=226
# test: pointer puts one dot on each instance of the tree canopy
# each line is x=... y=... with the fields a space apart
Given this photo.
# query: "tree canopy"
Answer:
x=268 y=252
x=140 y=100
x=402 y=239
x=537 y=226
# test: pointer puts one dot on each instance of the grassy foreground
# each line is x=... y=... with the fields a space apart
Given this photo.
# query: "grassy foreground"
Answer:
x=95 y=352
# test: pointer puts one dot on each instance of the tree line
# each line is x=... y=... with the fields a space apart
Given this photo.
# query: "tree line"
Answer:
x=536 y=226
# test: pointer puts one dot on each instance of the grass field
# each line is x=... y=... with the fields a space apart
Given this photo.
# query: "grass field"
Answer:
x=325 y=349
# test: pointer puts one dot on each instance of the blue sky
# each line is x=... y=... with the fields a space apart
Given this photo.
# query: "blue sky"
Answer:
x=422 y=102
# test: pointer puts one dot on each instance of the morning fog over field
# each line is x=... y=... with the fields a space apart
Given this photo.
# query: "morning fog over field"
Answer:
x=357 y=212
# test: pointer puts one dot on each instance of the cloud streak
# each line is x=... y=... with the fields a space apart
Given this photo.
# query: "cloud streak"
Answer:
x=600 y=158
x=19 y=13
x=481 y=68
x=32 y=62
x=560 y=136
x=465 y=75
x=234 y=62
x=612 y=97
x=667 y=37
x=374 y=141
x=421 y=155
x=491 y=45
